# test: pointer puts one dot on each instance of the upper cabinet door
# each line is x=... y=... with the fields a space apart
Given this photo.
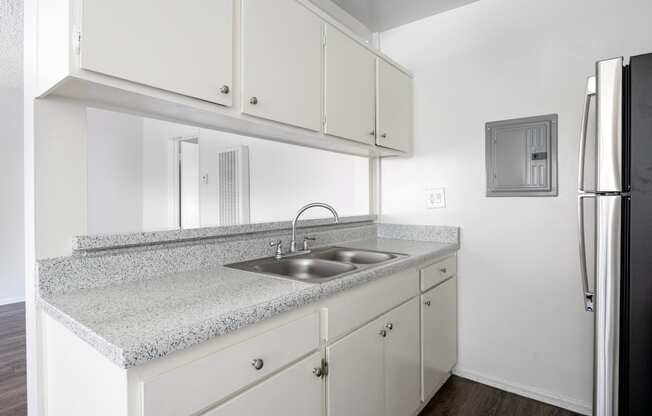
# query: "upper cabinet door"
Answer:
x=180 y=46
x=402 y=361
x=394 y=116
x=349 y=88
x=281 y=62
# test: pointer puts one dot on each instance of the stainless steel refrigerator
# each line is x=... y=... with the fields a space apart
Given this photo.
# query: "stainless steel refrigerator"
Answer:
x=615 y=230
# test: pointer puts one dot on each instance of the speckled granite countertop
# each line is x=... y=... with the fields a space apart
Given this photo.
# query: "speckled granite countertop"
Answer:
x=132 y=323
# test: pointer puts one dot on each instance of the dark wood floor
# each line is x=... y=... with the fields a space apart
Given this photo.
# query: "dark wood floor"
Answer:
x=462 y=397
x=458 y=397
x=13 y=392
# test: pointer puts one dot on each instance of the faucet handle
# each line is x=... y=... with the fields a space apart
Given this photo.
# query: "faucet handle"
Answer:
x=279 y=248
x=305 y=241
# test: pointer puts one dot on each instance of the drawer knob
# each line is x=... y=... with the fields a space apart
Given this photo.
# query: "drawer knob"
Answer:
x=389 y=326
x=257 y=363
x=427 y=303
x=372 y=133
x=382 y=333
x=253 y=100
x=443 y=270
x=384 y=135
x=317 y=372
x=224 y=89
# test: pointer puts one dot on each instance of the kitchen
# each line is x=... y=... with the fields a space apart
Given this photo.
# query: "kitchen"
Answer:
x=159 y=180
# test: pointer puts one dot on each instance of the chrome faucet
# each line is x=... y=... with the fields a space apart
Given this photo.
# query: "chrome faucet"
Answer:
x=293 y=243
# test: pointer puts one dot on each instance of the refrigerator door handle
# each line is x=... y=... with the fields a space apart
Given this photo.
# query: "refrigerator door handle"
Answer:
x=587 y=295
x=590 y=92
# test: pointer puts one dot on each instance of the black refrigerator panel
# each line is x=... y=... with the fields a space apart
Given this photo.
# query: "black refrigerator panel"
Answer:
x=636 y=346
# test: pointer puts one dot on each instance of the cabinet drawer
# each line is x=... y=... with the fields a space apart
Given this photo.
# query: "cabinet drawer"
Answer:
x=195 y=386
x=294 y=391
x=438 y=272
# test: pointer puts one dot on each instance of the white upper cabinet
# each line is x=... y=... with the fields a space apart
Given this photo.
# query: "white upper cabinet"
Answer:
x=281 y=62
x=402 y=363
x=349 y=84
x=181 y=46
x=394 y=108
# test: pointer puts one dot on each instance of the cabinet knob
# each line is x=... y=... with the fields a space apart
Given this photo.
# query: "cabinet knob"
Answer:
x=382 y=333
x=257 y=363
x=224 y=89
x=317 y=372
x=389 y=326
x=372 y=133
x=253 y=100
x=444 y=270
x=383 y=135
x=427 y=303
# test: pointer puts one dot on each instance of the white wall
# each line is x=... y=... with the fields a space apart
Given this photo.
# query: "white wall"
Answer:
x=285 y=177
x=521 y=317
x=115 y=180
x=12 y=283
x=129 y=182
x=338 y=13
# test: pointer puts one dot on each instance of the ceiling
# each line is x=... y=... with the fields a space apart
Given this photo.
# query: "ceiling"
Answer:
x=381 y=15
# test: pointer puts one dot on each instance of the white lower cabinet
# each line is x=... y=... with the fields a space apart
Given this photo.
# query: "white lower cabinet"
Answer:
x=439 y=335
x=379 y=359
x=402 y=364
x=375 y=370
x=293 y=391
x=356 y=373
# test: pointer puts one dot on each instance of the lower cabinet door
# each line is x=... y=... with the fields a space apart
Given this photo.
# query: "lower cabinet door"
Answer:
x=294 y=391
x=402 y=363
x=439 y=334
x=355 y=385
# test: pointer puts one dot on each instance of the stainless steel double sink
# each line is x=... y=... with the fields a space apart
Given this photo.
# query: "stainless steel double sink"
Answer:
x=318 y=265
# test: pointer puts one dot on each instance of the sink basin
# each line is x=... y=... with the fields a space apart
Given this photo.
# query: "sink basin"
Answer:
x=348 y=255
x=307 y=269
x=317 y=266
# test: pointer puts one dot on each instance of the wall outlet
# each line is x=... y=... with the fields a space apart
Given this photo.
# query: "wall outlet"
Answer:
x=435 y=198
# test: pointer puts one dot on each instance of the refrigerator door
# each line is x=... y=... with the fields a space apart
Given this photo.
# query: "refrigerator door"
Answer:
x=609 y=104
x=607 y=304
x=586 y=216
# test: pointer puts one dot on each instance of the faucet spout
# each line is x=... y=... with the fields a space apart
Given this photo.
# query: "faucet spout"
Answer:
x=293 y=243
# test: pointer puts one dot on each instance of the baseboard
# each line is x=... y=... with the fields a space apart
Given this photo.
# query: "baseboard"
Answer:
x=9 y=301
x=577 y=406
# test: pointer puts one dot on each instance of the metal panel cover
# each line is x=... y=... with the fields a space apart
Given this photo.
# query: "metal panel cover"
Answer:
x=521 y=156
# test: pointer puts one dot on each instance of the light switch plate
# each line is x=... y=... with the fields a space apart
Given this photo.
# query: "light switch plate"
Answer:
x=435 y=198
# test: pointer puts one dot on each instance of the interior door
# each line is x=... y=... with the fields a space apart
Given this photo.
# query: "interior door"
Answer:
x=189 y=184
x=438 y=335
x=349 y=88
x=394 y=107
x=402 y=364
x=355 y=382
x=281 y=62
x=294 y=391
x=180 y=46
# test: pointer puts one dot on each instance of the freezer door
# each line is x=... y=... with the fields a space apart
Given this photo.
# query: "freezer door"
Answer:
x=607 y=304
x=609 y=105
